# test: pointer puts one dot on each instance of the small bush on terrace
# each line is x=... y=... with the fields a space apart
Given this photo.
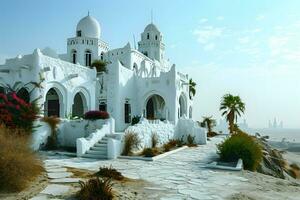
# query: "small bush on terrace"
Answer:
x=131 y=141
x=135 y=120
x=170 y=145
x=96 y=114
x=150 y=152
x=95 y=189
x=52 y=139
x=18 y=164
x=191 y=141
x=109 y=172
x=154 y=140
x=244 y=146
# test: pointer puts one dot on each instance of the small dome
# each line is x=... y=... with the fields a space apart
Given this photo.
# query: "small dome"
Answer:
x=151 y=27
x=89 y=27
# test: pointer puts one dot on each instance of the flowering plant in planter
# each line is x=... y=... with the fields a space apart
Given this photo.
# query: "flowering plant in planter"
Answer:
x=16 y=113
x=96 y=114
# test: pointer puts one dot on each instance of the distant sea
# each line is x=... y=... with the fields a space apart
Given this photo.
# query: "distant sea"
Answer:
x=288 y=139
x=288 y=135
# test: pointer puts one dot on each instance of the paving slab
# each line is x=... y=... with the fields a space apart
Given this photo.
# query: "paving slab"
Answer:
x=61 y=169
x=66 y=180
x=56 y=190
x=54 y=175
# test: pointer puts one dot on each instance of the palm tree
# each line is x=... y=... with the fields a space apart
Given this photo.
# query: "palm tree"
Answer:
x=192 y=88
x=209 y=123
x=99 y=65
x=232 y=107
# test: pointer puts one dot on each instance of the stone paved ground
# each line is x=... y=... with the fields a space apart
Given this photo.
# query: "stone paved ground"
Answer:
x=182 y=175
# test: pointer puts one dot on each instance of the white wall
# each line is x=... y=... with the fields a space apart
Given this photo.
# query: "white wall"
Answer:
x=70 y=130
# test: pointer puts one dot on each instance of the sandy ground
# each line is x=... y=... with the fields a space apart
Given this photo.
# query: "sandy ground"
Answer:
x=35 y=187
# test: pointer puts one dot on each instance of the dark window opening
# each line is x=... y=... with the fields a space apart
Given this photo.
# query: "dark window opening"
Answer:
x=148 y=36
x=74 y=57
x=88 y=58
x=102 y=106
x=127 y=113
x=146 y=53
x=78 y=33
x=156 y=37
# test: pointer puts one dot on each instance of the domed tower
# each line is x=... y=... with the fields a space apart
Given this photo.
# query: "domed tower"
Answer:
x=87 y=45
x=151 y=43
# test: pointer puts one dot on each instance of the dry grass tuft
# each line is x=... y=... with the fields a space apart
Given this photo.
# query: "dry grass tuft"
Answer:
x=18 y=164
x=131 y=141
x=154 y=140
x=110 y=172
x=150 y=152
x=95 y=189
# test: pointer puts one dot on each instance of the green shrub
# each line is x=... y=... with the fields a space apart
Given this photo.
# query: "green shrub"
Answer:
x=110 y=172
x=131 y=141
x=154 y=140
x=191 y=141
x=18 y=164
x=135 y=120
x=180 y=142
x=95 y=189
x=150 y=152
x=244 y=146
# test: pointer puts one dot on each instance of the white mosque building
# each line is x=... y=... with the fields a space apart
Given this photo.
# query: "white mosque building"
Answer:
x=138 y=82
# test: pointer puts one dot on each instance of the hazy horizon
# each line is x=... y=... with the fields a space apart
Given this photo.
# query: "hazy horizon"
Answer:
x=247 y=48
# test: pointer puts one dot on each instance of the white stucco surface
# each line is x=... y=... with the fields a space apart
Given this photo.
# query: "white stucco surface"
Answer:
x=164 y=131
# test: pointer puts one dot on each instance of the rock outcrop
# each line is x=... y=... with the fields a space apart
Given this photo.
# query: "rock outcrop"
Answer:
x=273 y=163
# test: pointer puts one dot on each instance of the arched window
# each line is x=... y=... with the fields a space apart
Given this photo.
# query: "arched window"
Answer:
x=74 y=56
x=156 y=37
x=148 y=36
x=88 y=58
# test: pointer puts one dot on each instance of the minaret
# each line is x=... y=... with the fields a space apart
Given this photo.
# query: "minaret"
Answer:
x=151 y=43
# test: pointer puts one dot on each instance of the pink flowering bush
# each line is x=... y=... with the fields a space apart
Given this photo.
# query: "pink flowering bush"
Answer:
x=16 y=113
x=96 y=114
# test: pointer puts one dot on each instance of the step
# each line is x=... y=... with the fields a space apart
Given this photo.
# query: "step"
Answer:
x=102 y=142
x=94 y=156
x=100 y=145
x=104 y=153
x=99 y=148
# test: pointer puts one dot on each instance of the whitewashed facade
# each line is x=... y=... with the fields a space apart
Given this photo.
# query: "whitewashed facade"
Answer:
x=138 y=82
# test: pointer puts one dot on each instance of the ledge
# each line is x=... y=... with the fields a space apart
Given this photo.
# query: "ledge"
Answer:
x=228 y=166
x=153 y=158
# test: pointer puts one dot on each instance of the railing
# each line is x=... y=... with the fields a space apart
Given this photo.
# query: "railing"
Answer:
x=182 y=76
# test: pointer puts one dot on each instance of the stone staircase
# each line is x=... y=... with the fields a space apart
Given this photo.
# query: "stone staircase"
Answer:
x=99 y=150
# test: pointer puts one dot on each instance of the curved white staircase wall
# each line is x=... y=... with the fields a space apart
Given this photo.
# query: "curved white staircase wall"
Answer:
x=83 y=144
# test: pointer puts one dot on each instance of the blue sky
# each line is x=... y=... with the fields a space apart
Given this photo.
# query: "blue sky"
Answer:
x=250 y=48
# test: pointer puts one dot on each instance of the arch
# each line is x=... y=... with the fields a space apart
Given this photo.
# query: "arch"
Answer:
x=24 y=94
x=182 y=105
x=102 y=55
x=62 y=94
x=85 y=96
x=148 y=36
x=53 y=103
x=74 y=56
x=155 y=107
x=79 y=106
x=190 y=112
x=88 y=57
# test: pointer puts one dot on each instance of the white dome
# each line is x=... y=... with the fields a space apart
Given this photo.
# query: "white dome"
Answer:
x=151 y=27
x=89 y=27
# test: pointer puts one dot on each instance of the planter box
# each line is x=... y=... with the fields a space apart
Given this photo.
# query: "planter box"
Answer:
x=153 y=158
